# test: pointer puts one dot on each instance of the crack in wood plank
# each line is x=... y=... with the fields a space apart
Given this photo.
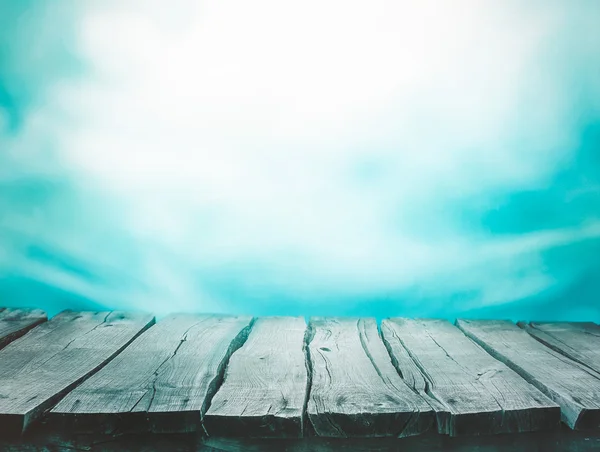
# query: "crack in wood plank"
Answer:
x=570 y=339
x=575 y=387
x=356 y=389
x=465 y=382
x=264 y=387
x=163 y=382
x=52 y=369
x=309 y=334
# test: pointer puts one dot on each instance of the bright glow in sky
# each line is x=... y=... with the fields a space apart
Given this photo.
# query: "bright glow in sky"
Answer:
x=352 y=157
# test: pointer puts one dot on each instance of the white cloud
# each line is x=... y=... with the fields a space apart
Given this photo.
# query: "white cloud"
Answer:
x=230 y=131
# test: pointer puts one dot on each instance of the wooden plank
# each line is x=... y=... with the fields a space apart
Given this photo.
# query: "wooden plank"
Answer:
x=40 y=367
x=476 y=393
x=265 y=384
x=162 y=382
x=356 y=391
x=411 y=374
x=579 y=341
x=14 y=323
x=573 y=386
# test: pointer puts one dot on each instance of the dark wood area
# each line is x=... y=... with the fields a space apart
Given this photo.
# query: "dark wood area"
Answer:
x=559 y=440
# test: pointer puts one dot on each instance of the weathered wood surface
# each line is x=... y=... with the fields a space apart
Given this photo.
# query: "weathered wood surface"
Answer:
x=480 y=394
x=576 y=388
x=14 y=323
x=162 y=382
x=355 y=390
x=265 y=384
x=42 y=366
x=578 y=341
x=232 y=383
x=411 y=374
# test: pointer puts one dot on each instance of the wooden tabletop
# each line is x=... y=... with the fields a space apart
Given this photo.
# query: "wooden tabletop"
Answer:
x=220 y=377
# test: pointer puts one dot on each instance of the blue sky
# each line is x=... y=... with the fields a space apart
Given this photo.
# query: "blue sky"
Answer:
x=432 y=158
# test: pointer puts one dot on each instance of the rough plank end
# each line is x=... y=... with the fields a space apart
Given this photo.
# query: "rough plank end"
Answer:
x=266 y=426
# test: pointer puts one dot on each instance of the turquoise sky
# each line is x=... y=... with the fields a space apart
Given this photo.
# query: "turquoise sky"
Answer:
x=432 y=158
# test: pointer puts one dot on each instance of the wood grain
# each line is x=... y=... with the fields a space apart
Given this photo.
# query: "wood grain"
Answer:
x=575 y=387
x=476 y=393
x=162 y=382
x=42 y=366
x=411 y=374
x=265 y=384
x=356 y=391
x=14 y=323
x=579 y=341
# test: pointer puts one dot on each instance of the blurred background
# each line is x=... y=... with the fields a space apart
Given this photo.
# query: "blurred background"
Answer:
x=375 y=158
